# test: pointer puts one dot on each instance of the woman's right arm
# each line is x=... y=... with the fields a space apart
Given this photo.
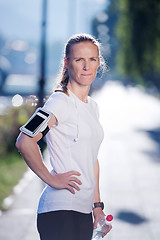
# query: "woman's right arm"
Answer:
x=31 y=153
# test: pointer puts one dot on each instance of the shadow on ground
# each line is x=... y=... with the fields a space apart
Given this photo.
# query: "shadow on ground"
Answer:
x=130 y=217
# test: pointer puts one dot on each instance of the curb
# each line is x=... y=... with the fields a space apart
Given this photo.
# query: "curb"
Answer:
x=22 y=184
x=17 y=190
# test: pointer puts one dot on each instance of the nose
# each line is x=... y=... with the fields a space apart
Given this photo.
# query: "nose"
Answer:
x=86 y=65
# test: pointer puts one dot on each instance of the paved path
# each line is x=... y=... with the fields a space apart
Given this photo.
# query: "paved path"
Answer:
x=130 y=162
x=19 y=223
x=130 y=170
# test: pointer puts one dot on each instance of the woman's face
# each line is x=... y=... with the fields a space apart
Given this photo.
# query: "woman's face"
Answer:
x=83 y=63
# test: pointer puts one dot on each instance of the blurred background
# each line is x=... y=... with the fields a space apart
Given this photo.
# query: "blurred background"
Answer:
x=32 y=38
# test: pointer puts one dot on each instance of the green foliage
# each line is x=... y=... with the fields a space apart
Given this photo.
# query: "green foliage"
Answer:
x=10 y=123
x=138 y=33
x=12 y=168
x=134 y=32
x=126 y=56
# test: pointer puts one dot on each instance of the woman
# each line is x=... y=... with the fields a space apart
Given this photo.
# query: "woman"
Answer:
x=72 y=192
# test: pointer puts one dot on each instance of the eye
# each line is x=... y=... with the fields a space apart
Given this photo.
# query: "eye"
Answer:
x=94 y=59
x=78 y=59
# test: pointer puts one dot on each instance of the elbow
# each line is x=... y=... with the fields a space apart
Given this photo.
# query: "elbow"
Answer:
x=18 y=144
x=24 y=142
x=21 y=142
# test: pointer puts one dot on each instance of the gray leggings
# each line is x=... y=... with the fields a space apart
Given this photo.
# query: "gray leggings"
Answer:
x=65 y=225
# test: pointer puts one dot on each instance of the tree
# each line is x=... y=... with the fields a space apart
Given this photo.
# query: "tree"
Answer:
x=138 y=34
x=134 y=39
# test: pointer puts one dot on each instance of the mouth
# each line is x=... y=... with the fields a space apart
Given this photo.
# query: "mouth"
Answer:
x=86 y=74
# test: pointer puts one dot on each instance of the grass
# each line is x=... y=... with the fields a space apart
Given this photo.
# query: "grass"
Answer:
x=12 y=168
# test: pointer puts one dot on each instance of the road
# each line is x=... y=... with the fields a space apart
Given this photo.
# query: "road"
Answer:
x=129 y=170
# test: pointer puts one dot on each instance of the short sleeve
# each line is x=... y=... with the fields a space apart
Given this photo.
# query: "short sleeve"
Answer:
x=57 y=104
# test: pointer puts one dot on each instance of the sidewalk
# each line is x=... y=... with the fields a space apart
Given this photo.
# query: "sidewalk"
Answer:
x=130 y=162
x=19 y=223
x=129 y=171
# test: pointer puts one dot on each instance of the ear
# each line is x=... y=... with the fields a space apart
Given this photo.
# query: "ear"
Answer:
x=65 y=62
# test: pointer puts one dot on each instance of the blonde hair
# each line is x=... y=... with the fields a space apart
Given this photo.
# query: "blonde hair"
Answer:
x=63 y=77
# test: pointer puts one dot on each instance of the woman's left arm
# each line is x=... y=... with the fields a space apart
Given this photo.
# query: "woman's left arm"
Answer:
x=97 y=212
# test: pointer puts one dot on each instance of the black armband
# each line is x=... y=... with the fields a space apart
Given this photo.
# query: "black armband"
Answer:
x=45 y=131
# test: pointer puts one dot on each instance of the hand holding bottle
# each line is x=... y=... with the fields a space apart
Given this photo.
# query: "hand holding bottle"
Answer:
x=104 y=226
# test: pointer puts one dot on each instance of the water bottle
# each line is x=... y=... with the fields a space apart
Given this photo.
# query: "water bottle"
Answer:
x=103 y=225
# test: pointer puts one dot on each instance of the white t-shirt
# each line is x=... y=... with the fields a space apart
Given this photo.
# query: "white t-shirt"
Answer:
x=73 y=144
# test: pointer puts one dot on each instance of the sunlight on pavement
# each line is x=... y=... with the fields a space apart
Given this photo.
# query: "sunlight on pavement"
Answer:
x=130 y=161
x=123 y=108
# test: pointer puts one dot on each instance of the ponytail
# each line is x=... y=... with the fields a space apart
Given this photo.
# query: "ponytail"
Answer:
x=63 y=79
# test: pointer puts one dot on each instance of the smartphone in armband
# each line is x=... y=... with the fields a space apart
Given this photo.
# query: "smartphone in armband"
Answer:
x=37 y=123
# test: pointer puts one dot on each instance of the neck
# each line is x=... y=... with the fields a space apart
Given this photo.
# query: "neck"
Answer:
x=80 y=91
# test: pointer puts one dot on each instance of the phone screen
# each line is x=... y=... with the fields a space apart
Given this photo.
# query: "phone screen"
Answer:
x=34 y=123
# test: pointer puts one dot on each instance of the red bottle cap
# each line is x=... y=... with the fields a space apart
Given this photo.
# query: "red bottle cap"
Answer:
x=109 y=218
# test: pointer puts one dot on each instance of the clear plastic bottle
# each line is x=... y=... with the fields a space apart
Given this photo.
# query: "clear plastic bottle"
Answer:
x=103 y=225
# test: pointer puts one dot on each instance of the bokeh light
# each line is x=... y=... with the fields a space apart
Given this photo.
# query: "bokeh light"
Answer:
x=17 y=100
